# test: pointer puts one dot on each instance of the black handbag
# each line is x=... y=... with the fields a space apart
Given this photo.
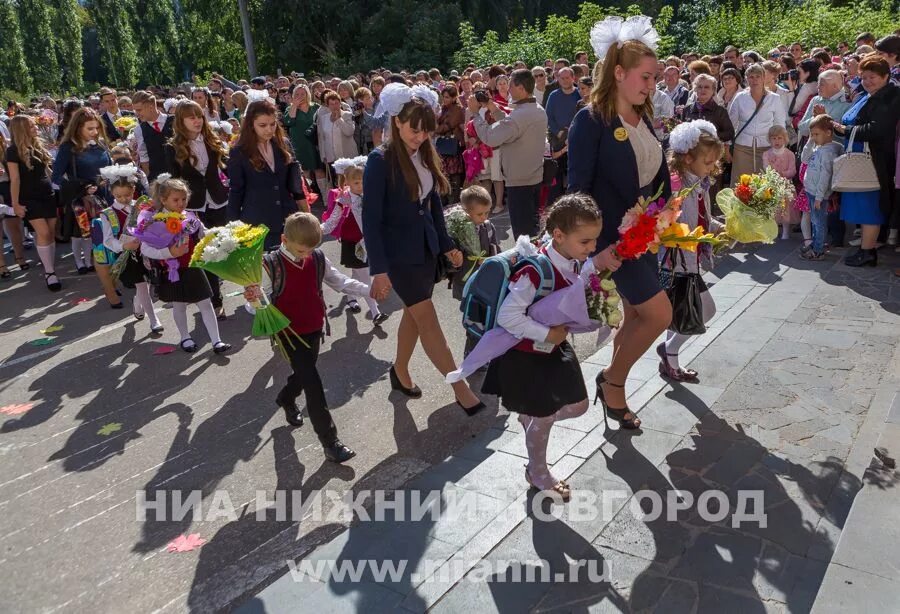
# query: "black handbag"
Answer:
x=294 y=179
x=551 y=167
x=447 y=145
x=684 y=290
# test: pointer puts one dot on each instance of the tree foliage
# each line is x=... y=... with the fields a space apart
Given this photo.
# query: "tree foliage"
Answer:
x=14 y=73
x=39 y=44
x=157 y=41
x=67 y=27
x=212 y=39
x=113 y=21
x=764 y=24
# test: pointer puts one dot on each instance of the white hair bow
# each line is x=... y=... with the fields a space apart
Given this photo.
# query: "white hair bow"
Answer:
x=342 y=164
x=163 y=177
x=254 y=95
x=395 y=95
x=685 y=136
x=615 y=31
x=119 y=171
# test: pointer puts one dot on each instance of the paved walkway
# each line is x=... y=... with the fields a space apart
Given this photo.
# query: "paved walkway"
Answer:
x=799 y=369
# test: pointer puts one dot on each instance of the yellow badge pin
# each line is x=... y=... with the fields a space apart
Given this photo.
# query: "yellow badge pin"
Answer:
x=621 y=134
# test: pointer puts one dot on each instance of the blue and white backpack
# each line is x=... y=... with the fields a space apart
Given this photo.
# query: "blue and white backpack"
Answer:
x=488 y=286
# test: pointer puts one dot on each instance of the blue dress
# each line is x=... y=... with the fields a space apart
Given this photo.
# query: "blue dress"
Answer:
x=859 y=207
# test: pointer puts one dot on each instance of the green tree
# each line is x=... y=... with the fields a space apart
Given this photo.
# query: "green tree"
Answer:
x=39 y=44
x=112 y=18
x=13 y=68
x=157 y=41
x=212 y=39
x=67 y=25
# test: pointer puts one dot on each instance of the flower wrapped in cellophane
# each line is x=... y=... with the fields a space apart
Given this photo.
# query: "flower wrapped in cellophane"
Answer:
x=165 y=229
x=126 y=124
x=603 y=300
x=462 y=229
x=234 y=252
x=750 y=207
x=142 y=204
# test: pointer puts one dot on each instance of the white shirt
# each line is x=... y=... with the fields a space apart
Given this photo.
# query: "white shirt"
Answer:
x=198 y=148
x=327 y=138
x=143 y=156
x=426 y=179
x=772 y=113
x=110 y=241
x=513 y=314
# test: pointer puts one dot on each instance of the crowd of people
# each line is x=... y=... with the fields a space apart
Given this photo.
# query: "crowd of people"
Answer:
x=377 y=159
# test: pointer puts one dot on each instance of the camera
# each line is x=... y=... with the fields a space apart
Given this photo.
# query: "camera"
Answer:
x=482 y=96
x=783 y=76
x=794 y=74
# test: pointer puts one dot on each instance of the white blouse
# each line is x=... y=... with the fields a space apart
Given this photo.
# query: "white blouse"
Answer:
x=647 y=150
x=772 y=113
x=426 y=179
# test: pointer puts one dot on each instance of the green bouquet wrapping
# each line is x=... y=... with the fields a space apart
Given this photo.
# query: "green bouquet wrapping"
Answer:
x=742 y=223
x=234 y=252
x=461 y=228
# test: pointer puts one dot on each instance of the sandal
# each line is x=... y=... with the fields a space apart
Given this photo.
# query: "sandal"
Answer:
x=189 y=346
x=561 y=487
x=4 y=272
x=616 y=413
x=669 y=372
x=23 y=264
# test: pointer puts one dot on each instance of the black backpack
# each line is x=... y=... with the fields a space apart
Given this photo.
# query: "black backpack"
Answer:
x=274 y=266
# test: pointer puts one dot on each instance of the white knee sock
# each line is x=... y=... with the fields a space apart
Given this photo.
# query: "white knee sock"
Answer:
x=209 y=320
x=179 y=312
x=77 y=252
x=806 y=226
x=47 y=255
x=675 y=341
x=786 y=231
x=87 y=252
x=363 y=276
x=145 y=302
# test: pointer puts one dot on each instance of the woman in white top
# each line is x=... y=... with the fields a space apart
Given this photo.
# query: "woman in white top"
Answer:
x=335 y=128
x=753 y=111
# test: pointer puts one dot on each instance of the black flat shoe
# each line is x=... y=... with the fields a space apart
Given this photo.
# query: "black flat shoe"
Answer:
x=91 y=269
x=292 y=413
x=23 y=264
x=4 y=273
x=188 y=345
x=863 y=257
x=338 y=452
x=414 y=393
x=138 y=316
x=83 y=270
x=471 y=411
x=354 y=306
x=380 y=319
x=221 y=347
x=119 y=305
x=53 y=286
x=616 y=413
x=156 y=331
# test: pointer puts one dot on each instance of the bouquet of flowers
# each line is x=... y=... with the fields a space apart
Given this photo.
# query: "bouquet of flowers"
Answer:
x=126 y=123
x=750 y=207
x=461 y=228
x=165 y=229
x=602 y=300
x=652 y=223
x=234 y=252
x=46 y=121
x=143 y=204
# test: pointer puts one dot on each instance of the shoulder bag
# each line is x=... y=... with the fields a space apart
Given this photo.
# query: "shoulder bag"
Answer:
x=684 y=290
x=854 y=171
x=744 y=127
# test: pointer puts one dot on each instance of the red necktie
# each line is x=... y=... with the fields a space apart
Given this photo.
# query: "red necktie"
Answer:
x=156 y=126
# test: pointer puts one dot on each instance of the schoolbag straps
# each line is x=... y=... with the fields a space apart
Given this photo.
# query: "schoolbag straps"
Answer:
x=275 y=268
x=548 y=276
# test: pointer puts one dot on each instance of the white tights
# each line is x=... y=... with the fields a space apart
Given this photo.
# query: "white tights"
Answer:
x=674 y=341
x=179 y=312
x=143 y=303
x=537 y=436
x=81 y=251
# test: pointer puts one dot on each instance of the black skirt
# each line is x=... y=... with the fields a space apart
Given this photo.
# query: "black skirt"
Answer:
x=414 y=283
x=134 y=272
x=192 y=287
x=41 y=210
x=536 y=384
x=348 y=256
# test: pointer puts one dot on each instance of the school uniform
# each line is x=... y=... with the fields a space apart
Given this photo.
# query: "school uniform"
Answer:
x=616 y=163
x=404 y=235
x=299 y=299
x=192 y=285
x=106 y=233
x=347 y=227
x=35 y=190
x=150 y=139
x=527 y=380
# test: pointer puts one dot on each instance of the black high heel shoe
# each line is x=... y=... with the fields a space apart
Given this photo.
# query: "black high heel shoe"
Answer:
x=471 y=411
x=414 y=392
x=616 y=413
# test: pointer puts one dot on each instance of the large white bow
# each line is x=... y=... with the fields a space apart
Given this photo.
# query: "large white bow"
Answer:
x=615 y=30
x=395 y=95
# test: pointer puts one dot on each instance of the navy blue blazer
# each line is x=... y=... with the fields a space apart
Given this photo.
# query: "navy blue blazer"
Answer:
x=606 y=169
x=397 y=228
x=260 y=196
